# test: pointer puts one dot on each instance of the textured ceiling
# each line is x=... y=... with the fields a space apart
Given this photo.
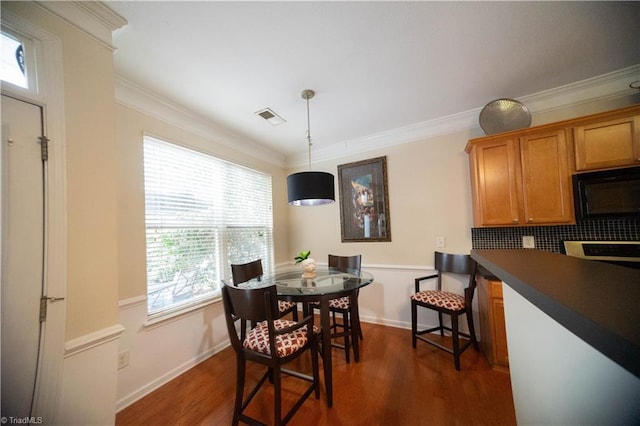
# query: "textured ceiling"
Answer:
x=375 y=66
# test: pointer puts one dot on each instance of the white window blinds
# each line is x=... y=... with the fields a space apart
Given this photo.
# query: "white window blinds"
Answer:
x=202 y=214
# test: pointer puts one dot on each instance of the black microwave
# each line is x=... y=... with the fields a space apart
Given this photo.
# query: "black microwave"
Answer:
x=607 y=193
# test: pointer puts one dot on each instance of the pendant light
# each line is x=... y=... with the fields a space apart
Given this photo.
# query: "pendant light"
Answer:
x=310 y=188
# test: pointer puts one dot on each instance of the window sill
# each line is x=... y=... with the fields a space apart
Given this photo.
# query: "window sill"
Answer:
x=159 y=319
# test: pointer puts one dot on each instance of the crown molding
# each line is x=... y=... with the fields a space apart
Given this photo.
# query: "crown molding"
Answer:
x=146 y=102
x=607 y=86
x=91 y=17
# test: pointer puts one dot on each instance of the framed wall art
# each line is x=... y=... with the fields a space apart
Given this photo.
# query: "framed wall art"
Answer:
x=364 y=201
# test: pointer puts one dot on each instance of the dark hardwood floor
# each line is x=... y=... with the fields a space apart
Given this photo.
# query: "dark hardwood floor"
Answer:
x=393 y=384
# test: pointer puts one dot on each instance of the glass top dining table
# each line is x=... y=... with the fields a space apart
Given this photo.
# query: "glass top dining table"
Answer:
x=329 y=283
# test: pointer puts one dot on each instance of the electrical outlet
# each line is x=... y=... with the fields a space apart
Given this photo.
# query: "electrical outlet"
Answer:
x=123 y=359
x=440 y=242
x=528 y=242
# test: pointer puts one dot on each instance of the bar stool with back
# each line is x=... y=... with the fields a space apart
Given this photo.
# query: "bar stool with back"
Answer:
x=272 y=342
x=350 y=325
x=447 y=303
x=244 y=272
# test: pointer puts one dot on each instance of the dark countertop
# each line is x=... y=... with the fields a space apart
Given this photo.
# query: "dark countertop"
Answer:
x=598 y=302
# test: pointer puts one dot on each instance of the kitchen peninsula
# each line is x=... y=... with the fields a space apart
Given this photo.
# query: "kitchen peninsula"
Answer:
x=573 y=332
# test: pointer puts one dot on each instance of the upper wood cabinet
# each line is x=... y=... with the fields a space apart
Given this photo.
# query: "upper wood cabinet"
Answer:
x=546 y=180
x=496 y=182
x=523 y=177
x=521 y=180
x=610 y=143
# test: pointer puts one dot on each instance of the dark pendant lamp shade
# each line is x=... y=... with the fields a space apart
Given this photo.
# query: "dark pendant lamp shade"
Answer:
x=310 y=188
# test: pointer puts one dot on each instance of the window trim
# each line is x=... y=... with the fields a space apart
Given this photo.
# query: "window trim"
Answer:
x=198 y=304
x=161 y=318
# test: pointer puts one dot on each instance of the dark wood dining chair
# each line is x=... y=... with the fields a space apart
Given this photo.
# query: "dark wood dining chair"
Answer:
x=243 y=272
x=348 y=327
x=272 y=342
x=446 y=303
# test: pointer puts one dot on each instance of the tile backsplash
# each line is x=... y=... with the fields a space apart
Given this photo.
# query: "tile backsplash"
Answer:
x=550 y=238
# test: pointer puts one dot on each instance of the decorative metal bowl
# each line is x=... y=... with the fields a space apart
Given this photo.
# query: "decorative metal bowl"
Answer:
x=503 y=115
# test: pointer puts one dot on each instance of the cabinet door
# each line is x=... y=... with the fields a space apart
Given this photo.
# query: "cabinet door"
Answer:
x=606 y=144
x=546 y=179
x=486 y=328
x=497 y=183
x=501 y=353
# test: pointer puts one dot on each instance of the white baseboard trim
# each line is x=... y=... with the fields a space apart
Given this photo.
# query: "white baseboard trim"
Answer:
x=386 y=322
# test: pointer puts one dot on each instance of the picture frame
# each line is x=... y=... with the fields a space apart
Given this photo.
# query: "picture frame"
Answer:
x=364 y=201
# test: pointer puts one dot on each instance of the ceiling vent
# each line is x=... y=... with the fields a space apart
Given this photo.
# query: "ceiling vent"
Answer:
x=273 y=118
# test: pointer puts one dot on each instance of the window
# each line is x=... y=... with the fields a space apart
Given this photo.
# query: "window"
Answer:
x=201 y=214
x=12 y=64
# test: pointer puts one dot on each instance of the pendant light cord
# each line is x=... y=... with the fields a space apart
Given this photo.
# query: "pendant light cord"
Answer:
x=309 y=132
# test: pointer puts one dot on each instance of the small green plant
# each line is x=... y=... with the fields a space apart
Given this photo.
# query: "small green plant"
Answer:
x=303 y=255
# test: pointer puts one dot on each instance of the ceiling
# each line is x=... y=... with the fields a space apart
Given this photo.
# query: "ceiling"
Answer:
x=375 y=66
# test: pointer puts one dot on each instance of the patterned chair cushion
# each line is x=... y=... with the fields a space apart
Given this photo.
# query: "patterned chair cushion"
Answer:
x=284 y=305
x=258 y=338
x=442 y=299
x=339 y=303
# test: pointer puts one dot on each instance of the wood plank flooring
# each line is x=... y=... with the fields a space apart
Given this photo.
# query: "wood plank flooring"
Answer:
x=393 y=384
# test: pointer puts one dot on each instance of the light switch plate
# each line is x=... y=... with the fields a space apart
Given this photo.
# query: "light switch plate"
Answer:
x=440 y=242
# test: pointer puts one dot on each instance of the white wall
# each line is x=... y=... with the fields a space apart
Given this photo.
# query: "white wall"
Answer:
x=88 y=389
x=557 y=378
x=160 y=351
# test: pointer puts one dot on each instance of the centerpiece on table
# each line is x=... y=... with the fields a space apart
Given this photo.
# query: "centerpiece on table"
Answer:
x=308 y=264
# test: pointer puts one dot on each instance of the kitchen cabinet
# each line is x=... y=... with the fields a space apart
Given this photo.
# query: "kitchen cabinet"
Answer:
x=521 y=179
x=607 y=143
x=493 y=331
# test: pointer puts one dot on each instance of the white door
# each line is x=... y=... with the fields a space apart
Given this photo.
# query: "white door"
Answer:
x=22 y=231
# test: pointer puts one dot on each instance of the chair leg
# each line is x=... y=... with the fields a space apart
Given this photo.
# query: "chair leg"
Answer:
x=240 y=374
x=314 y=365
x=277 y=396
x=440 y=322
x=243 y=329
x=346 y=328
x=414 y=323
x=456 y=341
x=472 y=330
x=355 y=333
x=357 y=317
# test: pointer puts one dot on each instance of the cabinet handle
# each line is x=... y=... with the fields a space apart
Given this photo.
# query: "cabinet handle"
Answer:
x=530 y=220
x=515 y=220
